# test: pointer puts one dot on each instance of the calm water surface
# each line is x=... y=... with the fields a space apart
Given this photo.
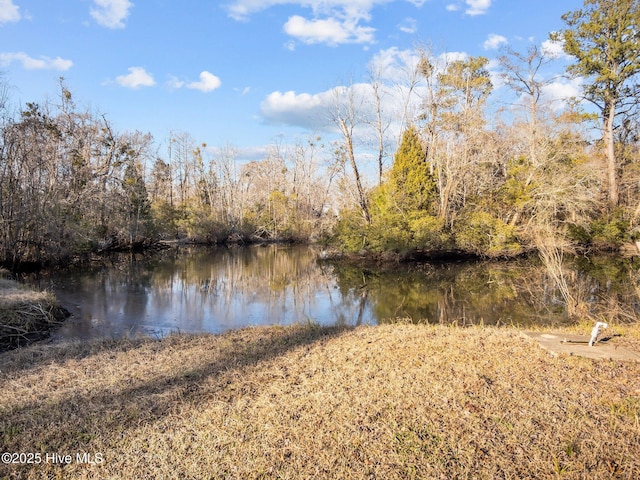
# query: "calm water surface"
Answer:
x=197 y=289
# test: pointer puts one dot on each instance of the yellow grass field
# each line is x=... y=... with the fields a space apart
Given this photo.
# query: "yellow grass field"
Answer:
x=388 y=402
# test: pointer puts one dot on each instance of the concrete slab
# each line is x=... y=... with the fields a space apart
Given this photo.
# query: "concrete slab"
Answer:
x=569 y=344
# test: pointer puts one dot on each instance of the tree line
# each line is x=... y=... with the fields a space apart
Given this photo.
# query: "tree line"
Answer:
x=71 y=185
x=469 y=173
x=531 y=175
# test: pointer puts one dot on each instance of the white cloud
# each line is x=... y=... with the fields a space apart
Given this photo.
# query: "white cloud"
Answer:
x=495 y=73
x=560 y=91
x=409 y=25
x=393 y=67
x=396 y=66
x=242 y=9
x=553 y=49
x=9 y=12
x=477 y=7
x=208 y=82
x=111 y=13
x=333 y=21
x=494 y=41
x=313 y=111
x=452 y=7
x=137 y=77
x=289 y=108
x=446 y=58
x=330 y=31
x=393 y=64
x=30 y=63
x=175 y=82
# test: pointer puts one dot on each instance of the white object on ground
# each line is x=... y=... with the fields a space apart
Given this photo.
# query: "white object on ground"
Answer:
x=596 y=331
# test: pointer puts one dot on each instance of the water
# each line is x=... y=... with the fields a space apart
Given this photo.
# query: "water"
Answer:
x=216 y=289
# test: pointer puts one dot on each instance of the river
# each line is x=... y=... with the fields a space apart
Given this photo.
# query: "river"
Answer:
x=199 y=289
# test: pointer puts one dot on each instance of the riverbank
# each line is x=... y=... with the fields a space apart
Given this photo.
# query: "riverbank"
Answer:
x=394 y=401
x=26 y=315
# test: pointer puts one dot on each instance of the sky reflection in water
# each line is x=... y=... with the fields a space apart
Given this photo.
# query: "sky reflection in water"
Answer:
x=216 y=289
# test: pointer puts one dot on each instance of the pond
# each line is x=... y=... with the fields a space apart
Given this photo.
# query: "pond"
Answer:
x=199 y=289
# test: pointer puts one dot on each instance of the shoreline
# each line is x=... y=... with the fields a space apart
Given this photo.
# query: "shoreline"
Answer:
x=26 y=315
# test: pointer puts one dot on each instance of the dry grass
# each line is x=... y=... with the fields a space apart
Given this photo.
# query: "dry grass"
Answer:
x=25 y=314
x=12 y=293
x=388 y=402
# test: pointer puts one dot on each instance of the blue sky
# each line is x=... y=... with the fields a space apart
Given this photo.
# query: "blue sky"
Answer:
x=244 y=72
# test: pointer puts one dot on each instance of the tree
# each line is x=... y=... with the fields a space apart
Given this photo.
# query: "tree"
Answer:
x=521 y=74
x=402 y=207
x=604 y=38
x=531 y=139
x=411 y=183
x=462 y=91
x=135 y=204
x=344 y=114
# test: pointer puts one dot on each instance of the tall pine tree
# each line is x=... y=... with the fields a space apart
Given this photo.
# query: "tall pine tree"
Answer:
x=604 y=38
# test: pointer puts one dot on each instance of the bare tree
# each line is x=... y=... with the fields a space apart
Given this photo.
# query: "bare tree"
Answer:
x=345 y=114
x=463 y=87
x=380 y=124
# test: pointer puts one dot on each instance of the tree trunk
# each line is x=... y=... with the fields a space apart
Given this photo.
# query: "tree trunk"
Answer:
x=362 y=199
x=611 y=153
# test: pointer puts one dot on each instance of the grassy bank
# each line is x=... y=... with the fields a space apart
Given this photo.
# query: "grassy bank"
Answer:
x=396 y=401
x=25 y=314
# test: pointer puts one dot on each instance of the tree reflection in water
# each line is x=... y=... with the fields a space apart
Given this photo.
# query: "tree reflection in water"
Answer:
x=215 y=289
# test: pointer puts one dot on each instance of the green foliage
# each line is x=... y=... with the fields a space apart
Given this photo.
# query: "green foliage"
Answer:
x=428 y=232
x=603 y=38
x=388 y=234
x=400 y=209
x=481 y=233
x=279 y=216
x=136 y=206
x=578 y=234
x=192 y=221
x=165 y=219
x=350 y=231
x=388 y=228
x=410 y=183
x=466 y=83
x=516 y=190
x=611 y=230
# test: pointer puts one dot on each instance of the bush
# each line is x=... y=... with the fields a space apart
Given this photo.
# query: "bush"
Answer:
x=578 y=233
x=481 y=233
x=428 y=231
x=350 y=232
x=611 y=230
x=389 y=233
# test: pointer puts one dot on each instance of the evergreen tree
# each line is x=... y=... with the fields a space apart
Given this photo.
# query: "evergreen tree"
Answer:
x=604 y=38
x=410 y=181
